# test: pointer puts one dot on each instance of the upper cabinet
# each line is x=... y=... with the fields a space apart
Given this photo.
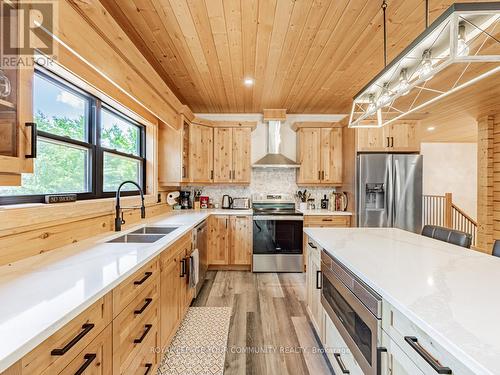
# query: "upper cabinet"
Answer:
x=17 y=130
x=320 y=155
x=201 y=154
x=232 y=147
x=397 y=137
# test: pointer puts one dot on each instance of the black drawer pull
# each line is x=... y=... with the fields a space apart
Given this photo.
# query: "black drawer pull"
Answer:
x=148 y=366
x=183 y=267
x=86 y=329
x=89 y=358
x=312 y=245
x=341 y=363
x=318 y=278
x=141 y=281
x=147 y=328
x=34 y=133
x=413 y=342
x=147 y=301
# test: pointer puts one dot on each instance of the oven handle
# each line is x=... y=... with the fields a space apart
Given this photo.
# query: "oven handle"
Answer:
x=277 y=218
x=413 y=342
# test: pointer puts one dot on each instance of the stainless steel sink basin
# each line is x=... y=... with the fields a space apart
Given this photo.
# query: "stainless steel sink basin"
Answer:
x=137 y=238
x=154 y=230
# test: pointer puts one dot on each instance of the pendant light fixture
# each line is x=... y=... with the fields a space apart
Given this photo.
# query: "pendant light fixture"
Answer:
x=436 y=64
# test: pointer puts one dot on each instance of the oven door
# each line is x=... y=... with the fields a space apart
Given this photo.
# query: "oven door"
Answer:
x=355 y=323
x=277 y=235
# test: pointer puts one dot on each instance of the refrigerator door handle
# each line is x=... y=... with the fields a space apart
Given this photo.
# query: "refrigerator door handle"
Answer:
x=389 y=192
x=397 y=192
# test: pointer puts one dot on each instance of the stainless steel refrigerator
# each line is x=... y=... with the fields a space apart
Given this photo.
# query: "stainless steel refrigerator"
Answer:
x=390 y=191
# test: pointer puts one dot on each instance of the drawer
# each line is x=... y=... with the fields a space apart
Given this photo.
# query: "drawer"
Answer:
x=417 y=344
x=327 y=221
x=129 y=289
x=95 y=359
x=338 y=352
x=60 y=349
x=135 y=326
x=147 y=360
x=396 y=362
x=171 y=252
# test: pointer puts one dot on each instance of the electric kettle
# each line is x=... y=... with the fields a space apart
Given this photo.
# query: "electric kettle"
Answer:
x=227 y=201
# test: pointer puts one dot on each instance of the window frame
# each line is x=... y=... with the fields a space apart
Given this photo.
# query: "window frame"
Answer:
x=95 y=162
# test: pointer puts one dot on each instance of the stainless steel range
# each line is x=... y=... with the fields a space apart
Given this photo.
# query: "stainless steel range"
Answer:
x=277 y=234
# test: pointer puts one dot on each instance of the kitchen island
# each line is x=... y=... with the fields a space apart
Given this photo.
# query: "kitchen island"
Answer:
x=444 y=291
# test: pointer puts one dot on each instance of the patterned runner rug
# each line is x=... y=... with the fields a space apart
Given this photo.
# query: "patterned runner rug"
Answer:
x=199 y=346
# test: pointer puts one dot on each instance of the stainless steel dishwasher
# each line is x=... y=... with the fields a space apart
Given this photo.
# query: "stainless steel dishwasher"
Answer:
x=200 y=243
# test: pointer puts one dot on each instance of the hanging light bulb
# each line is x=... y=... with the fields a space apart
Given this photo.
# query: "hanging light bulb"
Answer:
x=403 y=87
x=372 y=106
x=462 y=47
x=385 y=97
x=425 y=72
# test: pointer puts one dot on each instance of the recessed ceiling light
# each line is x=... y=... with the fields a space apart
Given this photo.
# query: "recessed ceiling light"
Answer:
x=248 y=81
x=431 y=128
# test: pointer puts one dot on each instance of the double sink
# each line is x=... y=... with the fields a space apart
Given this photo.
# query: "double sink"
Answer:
x=144 y=235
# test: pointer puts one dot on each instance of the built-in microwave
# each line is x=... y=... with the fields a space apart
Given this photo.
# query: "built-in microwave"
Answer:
x=355 y=310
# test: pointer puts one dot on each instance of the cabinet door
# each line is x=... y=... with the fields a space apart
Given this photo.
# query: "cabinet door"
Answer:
x=331 y=155
x=372 y=139
x=316 y=306
x=16 y=127
x=403 y=136
x=201 y=153
x=95 y=359
x=241 y=240
x=396 y=361
x=309 y=145
x=218 y=241
x=242 y=141
x=170 y=299
x=223 y=154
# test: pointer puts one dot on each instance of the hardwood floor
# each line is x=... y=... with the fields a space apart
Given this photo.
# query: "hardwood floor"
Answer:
x=270 y=332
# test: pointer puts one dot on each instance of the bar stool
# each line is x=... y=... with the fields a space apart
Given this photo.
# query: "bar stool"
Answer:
x=496 y=248
x=449 y=235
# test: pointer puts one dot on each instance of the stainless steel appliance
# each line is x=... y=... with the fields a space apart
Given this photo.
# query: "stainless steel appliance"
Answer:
x=227 y=201
x=241 y=203
x=277 y=234
x=185 y=200
x=355 y=310
x=200 y=243
x=390 y=191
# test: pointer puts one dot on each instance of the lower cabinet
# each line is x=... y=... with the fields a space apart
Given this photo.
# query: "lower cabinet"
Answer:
x=396 y=361
x=313 y=288
x=124 y=332
x=230 y=241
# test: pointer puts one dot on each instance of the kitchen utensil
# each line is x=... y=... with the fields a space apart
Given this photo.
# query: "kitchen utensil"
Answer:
x=5 y=86
x=227 y=201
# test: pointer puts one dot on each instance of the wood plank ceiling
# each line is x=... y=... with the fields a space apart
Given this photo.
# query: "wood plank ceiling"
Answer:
x=308 y=56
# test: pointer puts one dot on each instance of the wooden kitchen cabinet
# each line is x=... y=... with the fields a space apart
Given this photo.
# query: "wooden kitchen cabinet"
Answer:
x=201 y=154
x=173 y=153
x=232 y=155
x=397 y=137
x=240 y=243
x=320 y=156
x=17 y=130
x=230 y=240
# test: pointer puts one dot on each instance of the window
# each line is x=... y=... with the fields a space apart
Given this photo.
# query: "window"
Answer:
x=84 y=146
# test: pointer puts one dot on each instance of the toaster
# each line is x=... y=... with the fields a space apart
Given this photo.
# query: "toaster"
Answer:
x=241 y=203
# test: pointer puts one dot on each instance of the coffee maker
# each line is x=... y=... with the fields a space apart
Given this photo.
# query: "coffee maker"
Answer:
x=185 y=201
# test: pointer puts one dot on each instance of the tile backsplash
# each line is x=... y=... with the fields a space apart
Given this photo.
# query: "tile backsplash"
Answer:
x=265 y=180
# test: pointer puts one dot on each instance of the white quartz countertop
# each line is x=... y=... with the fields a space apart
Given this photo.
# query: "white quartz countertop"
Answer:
x=323 y=212
x=450 y=292
x=40 y=294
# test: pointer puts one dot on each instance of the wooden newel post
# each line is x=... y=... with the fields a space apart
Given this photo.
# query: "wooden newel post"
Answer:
x=448 y=201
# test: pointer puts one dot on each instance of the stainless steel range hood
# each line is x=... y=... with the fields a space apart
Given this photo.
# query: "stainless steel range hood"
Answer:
x=274 y=158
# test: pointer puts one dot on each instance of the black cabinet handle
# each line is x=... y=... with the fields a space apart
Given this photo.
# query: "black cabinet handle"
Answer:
x=318 y=278
x=388 y=142
x=379 y=359
x=319 y=175
x=392 y=141
x=311 y=244
x=141 y=281
x=341 y=363
x=86 y=329
x=147 y=301
x=147 y=328
x=32 y=154
x=413 y=342
x=183 y=267
x=148 y=366
x=322 y=175
x=89 y=358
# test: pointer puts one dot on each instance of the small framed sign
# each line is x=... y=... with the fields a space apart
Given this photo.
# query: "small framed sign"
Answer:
x=60 y=198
